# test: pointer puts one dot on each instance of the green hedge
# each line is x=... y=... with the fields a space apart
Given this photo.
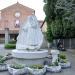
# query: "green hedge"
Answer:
x=10 y=46
x=12 y=42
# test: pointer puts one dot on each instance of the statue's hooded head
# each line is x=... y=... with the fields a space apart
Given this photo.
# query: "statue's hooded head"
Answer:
x=33 y=21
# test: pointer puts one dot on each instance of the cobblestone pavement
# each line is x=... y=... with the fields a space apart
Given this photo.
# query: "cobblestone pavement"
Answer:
x=69 y=71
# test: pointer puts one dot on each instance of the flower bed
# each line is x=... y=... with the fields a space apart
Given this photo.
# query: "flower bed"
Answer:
x=65 y=65
x=3 y=66
x=54 y=67
x=63 y=61
x=16 y=69
x=37 y=69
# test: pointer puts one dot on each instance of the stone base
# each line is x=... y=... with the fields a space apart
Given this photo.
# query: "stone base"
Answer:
x=3 y=67
x=29 y=62
x=13 y=71
x=54 y=68
x=65 y=65
x=30 y=57
x=37 y=71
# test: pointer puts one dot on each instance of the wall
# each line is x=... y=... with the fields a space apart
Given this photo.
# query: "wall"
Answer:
x=68 y=43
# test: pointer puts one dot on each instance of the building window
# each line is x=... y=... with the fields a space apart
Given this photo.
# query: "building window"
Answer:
x=17 y=14
x=17 y=23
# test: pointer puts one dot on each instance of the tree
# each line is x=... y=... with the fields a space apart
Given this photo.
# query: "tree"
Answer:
x=68 y=16
x=49 y=35
x=60 y=17
x=50 y=17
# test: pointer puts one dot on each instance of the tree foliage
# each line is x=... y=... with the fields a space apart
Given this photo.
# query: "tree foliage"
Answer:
x=68 y=17
x=49 y=8
x=60 y=17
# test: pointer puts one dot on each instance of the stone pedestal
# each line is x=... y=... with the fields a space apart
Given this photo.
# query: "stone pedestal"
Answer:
x=54 y=55
x=7 y=35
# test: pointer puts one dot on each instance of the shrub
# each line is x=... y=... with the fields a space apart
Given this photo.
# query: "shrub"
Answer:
x=63 y=61
x=38 y=66
x=49 y=35
x=62 y=56
x=17 y=66
x=10 y=46
x=12 y=42
x=1 y=59
x=1 y=56
x=54 y=64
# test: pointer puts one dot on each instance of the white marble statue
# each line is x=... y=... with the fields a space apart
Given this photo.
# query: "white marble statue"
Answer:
x=30 y=35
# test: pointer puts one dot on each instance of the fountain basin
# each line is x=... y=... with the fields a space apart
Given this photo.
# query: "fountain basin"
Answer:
x=29 y=54
x=30 y=57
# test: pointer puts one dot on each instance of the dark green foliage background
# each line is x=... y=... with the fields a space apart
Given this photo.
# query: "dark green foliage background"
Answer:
x=60 y=18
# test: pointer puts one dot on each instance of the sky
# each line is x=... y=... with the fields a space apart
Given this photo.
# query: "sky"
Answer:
x=37 y=5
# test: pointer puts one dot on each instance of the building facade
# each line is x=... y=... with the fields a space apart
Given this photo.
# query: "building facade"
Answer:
x=11 y=18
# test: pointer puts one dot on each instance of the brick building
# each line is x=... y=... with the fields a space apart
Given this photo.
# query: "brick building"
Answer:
x=11 y=18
